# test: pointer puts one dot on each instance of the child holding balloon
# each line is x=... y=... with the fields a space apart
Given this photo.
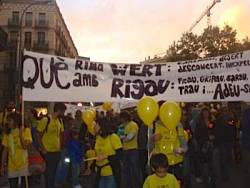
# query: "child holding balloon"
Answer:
x=161 y=177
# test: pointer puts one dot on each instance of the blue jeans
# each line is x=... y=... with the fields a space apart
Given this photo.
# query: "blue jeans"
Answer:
x=76 y=167
x=107 y=182
x=131 y=168
x=34 y=134
x=62 y=169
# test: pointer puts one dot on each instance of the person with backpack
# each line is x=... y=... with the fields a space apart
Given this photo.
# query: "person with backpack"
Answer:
x=64 y=164
x=130 y=151
x=50 y=130
x=108 y=148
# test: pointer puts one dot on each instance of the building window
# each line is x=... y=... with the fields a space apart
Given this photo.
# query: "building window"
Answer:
x=28 y=19
x=15 y=17
x=27 y=40
x=41 y=18
x=41 y=37
x=13 y=36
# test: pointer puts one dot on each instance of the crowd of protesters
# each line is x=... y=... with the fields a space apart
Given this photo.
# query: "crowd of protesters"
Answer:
x=204 y=145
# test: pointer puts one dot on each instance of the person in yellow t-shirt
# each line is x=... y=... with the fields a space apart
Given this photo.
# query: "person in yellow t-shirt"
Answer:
x=108 y=149
x=173 y=144
x=50 y=131
x=161 y=178
x=16 y=139
x=9 y=108
x=130 y=151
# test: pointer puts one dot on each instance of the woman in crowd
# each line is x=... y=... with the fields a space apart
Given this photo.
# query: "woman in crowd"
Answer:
x=108 y=148
x=16 y=140
x=201 y=137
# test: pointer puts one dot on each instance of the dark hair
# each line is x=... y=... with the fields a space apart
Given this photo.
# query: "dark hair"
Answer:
x=17 y=120
x=105 y=126
x=159 y=160
x=16 y=117
x=78 y=112
x=205 y=109
x=34 y=113
x=59 y=107
x=126 y=116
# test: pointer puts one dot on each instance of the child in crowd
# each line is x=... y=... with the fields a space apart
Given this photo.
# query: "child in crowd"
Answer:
x=88 y=172
x=161 y=177
x=75 y=149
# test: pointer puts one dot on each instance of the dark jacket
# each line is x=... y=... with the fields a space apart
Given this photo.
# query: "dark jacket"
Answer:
x=245 y=127
x=224 y=131
x=201 y=131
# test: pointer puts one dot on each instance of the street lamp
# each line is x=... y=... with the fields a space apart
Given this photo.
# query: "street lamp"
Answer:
x=19 y=46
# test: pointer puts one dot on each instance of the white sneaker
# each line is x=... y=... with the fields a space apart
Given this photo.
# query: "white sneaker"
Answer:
x=78 y=186
x=199 y=180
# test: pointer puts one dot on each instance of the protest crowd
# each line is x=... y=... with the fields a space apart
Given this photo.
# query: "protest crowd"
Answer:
x=106 y=149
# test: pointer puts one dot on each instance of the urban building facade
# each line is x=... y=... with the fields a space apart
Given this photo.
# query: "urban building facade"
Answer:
x=32 y=25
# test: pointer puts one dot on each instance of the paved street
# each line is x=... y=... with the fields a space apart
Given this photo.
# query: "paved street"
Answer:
x=236 y=181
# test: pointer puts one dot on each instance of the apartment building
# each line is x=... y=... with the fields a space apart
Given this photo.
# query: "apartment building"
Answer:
x=37 y=25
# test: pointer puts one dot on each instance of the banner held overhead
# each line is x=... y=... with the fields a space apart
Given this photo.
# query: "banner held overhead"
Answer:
x=53 y=78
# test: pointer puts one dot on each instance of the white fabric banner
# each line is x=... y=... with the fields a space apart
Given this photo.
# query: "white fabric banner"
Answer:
x=53 y=78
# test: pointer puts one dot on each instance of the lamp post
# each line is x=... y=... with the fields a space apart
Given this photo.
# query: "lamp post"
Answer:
x=19 y=49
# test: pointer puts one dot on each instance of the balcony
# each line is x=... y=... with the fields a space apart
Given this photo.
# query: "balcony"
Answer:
x=41 y=23
x=12 y=44
x=41 y=45
x=57 y=30
x=13 y=23
x=27 y=46
x=28 y=23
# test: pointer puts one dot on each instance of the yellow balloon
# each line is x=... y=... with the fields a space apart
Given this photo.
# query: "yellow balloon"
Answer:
x=107 y=106
x=88 y=117
x=147 y=110
x=170 y=114
x=94 y=111
x=91 y=128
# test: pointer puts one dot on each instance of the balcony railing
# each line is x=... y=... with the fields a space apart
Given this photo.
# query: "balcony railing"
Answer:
x=41 y=23
x=13 y=23
x=39 y=45
x=12 y=44
x=27 y=46
x=28 y=23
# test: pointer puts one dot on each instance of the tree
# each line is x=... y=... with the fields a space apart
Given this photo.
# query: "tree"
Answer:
x=212 y=42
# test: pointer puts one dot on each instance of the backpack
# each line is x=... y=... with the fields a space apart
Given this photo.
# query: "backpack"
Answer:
x=47 y=125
